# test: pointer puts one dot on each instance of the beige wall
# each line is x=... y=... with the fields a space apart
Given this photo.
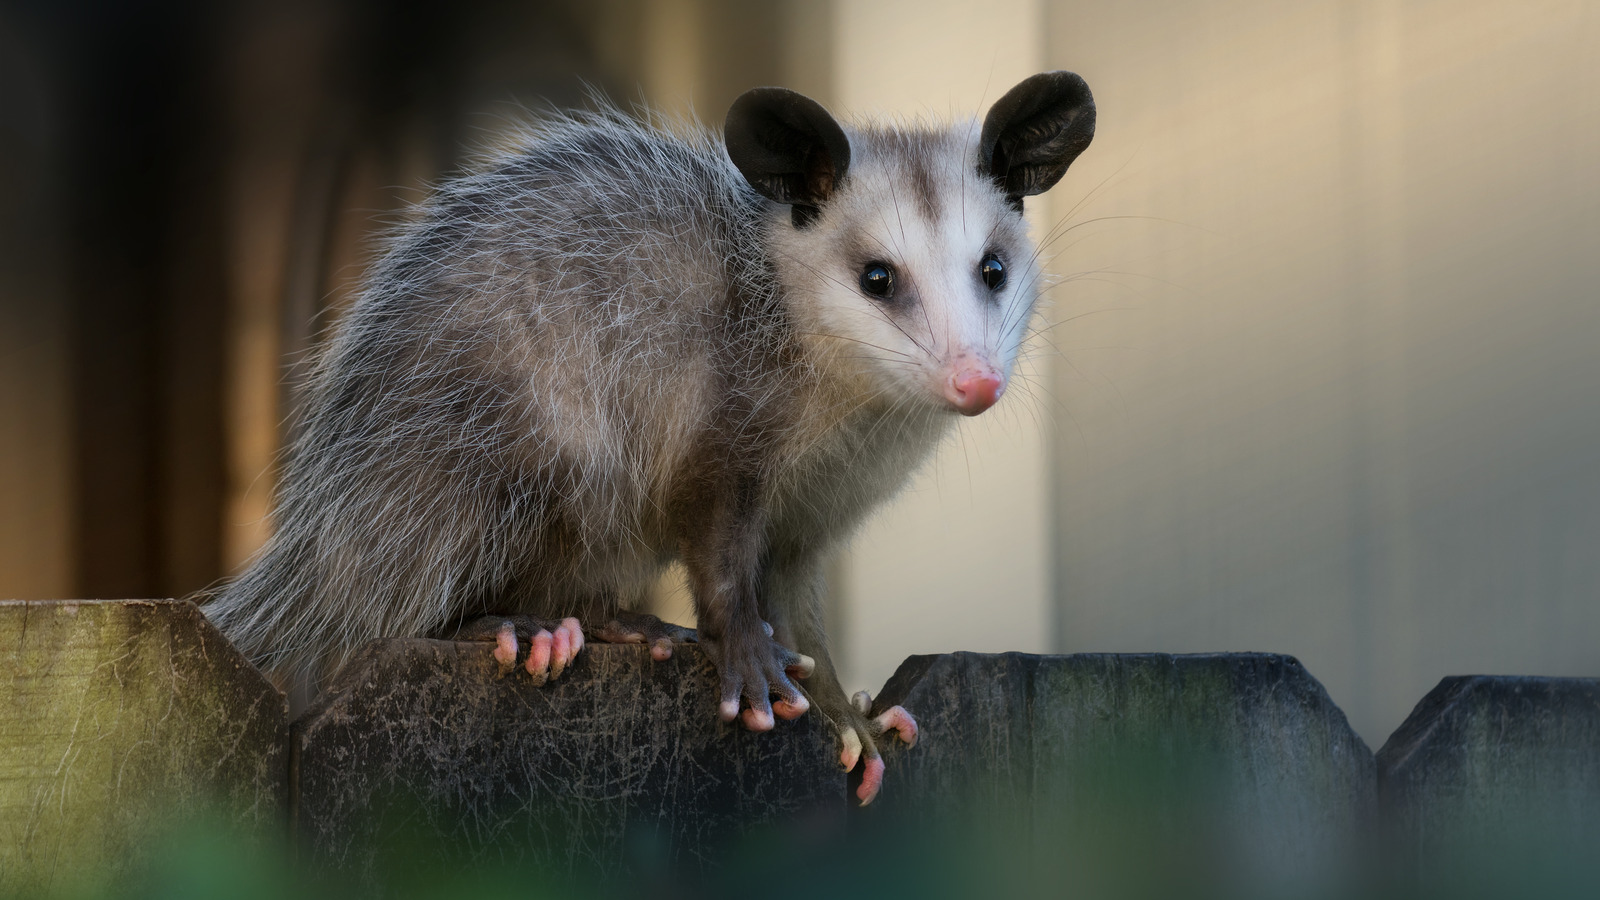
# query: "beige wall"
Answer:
x=1340 y=395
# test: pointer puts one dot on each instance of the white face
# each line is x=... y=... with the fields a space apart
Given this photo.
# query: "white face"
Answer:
x=920 y=276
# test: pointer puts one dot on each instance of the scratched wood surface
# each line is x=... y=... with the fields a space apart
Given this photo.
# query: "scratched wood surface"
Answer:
x=122 y=722
x=422 y=750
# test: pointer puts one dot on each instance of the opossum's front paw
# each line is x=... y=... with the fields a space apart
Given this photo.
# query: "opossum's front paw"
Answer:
x=859 y=736
x=552 y=646
x=643 y=628
x=755 y=668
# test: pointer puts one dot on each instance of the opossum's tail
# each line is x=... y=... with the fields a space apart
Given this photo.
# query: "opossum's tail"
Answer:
x=355 y=557
x=269 y=614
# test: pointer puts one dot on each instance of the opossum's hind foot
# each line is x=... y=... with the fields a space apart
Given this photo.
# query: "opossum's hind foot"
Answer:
x=552 y=645
x=859 y=737
x=643 y=628
x=857 y=747
x=894 y=719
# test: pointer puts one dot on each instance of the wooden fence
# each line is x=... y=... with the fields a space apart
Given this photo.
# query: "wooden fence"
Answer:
x=1091 y=774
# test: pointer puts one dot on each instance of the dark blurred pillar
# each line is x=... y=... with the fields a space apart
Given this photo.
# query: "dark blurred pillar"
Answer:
x=143 y=232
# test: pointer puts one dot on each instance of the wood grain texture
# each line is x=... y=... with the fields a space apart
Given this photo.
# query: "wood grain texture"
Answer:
x=122 y=721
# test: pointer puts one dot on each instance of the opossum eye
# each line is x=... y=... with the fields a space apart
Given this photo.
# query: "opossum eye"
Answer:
x=877 y=279
x=992 y=271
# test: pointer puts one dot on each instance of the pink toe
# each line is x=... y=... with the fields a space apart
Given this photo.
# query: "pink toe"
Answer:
x=896 y=719
x=576 y=627
x=505 y=646
x=661 y=650
x=728 y=711
x=539 y=655
x=756 y=720
x=871 y=780
x=560 y=650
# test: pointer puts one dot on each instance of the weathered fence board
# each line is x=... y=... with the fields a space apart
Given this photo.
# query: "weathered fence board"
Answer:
x=1228 y=775
x=620 y=763
x=121 y=721
x=1492 y=788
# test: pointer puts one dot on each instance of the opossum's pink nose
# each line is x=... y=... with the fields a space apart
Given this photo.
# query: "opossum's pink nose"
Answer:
x=974 y=388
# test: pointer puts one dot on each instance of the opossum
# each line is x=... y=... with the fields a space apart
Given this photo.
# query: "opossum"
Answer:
x=620 y=345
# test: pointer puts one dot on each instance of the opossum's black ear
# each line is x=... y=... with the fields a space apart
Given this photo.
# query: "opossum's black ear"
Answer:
x=788 y=147
x=1034 y=132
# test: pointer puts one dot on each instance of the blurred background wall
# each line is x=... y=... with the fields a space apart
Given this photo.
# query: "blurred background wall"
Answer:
x=1347 y=402
x=1320 y=376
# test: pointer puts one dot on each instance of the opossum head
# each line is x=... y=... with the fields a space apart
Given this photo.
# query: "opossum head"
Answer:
x=904 y=255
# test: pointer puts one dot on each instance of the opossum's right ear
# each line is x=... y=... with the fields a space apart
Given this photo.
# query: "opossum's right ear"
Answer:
x=788 y=148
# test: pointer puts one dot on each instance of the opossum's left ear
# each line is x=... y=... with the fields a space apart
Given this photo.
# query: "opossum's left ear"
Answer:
x=788 y=148
x=1034 y=132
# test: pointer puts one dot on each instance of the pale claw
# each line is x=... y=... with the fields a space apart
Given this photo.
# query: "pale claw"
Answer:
x=852 y=749
x=862 y=701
